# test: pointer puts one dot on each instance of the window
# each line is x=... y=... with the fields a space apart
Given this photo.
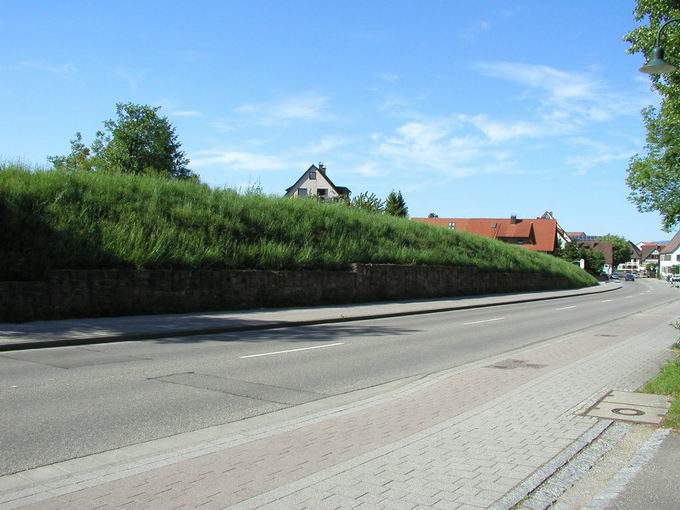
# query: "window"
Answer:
x=302 y=192
x=312 y=175
x=677 y=258
x=452 y=225
x=323 y=193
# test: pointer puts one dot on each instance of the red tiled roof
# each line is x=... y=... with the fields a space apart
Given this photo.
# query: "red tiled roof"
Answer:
x=647 y=250
x=543 y=231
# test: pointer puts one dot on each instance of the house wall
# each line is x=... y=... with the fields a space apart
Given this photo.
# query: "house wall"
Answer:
x=668 y=260
x=313 y=185
x=97 y=293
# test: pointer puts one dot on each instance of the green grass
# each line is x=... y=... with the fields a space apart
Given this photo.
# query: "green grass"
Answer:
x=668 y=383
x=66 y=220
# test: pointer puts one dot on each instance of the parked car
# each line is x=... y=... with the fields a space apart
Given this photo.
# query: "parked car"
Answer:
x=615 y=276
x=630 y=277
x=675 y=278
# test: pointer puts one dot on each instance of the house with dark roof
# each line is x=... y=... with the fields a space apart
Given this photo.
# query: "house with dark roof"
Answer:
x=670 y=256
x=540 y=234
x=316 y=183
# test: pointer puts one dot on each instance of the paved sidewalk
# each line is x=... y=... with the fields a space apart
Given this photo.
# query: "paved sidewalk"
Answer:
x=108 y=329
x=479 y=436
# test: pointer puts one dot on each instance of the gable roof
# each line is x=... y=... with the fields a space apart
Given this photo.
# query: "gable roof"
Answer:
x=340 y=190
x=647 y=250
x=544 y=231
x=673 y=245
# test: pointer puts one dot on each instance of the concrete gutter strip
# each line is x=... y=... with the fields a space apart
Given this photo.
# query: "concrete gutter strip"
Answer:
x=54 y=333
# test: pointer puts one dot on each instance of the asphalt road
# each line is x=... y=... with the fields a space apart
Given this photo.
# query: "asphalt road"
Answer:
x=62 y=403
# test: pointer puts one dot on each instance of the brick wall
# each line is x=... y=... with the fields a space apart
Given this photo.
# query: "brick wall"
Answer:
x=96 y=293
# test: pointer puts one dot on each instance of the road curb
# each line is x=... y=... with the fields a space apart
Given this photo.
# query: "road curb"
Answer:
x=152 y=335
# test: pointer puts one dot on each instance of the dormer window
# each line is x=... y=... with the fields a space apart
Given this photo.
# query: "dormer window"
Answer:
x=312 y=175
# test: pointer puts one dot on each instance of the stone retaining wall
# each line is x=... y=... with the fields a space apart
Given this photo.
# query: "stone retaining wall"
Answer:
x=97 y=293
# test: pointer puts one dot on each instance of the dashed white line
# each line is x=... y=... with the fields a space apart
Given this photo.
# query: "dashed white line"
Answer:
x=629 y=297
x=606 y=300
x=486 y=320
x=291 y=350
x=566 y=307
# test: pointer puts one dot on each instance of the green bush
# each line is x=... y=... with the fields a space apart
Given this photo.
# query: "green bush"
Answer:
x=76 y=220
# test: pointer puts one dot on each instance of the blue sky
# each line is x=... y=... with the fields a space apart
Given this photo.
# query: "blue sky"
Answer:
x=471 y=109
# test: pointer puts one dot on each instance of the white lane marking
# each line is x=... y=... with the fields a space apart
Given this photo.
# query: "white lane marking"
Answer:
x=291 y=350
x=606 y=300
x=629 y=297
x=486 y=320
x=566 y=307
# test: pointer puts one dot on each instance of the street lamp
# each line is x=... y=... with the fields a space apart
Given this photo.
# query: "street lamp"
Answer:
x=658 y=65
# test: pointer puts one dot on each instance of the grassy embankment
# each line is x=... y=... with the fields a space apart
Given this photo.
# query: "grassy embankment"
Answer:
x=668 y=383
x=58 y=220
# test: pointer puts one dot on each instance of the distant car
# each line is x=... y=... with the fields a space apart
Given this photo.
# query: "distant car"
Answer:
x=630 y=277
x=675 y=278
x=614 y=276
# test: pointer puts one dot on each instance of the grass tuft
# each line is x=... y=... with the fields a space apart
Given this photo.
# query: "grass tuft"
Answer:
x=77 y=220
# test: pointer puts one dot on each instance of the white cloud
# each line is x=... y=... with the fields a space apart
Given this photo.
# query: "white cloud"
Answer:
x=424 y=145
x=185 y=113
x=592 y=154
x=565 y=99
x=61 y=70
x=295 y=108
x=470 y=33
x=237 y=160
x=498 y=131
x=369 y=169
x=132 y=78
x=388 y=77
x=324 y=145
x=171 y=108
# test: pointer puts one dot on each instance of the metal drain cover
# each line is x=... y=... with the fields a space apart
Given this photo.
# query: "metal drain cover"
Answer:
x=628 y=406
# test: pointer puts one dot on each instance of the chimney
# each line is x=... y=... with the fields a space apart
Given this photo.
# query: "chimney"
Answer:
x=322 y=168
x=513 y=219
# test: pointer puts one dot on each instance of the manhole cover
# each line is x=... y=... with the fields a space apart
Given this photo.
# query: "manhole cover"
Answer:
x=515 y=363
x=628 y=406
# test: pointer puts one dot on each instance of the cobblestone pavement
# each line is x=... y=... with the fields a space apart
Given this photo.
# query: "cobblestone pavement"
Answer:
x=464 y=438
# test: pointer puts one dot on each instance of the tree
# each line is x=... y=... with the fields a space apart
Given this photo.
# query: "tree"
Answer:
x=620 y=248
x=571 y=252
x=138 y=141
x=654 y=178
x=594 y=260
x=395 y=204
x=433 y=215
x=80 y=157
x=368 y=202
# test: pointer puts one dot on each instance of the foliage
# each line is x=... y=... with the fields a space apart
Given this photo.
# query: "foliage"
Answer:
x=80 y=220
x=654 y=178
x=620 y=248
x=668 y=383
x=368 y=202
x=433 y=215
x=594 y=260
x=395 y=205
x=138 y=141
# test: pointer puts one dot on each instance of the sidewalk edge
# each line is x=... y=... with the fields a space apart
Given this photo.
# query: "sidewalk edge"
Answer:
x=151 y=335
